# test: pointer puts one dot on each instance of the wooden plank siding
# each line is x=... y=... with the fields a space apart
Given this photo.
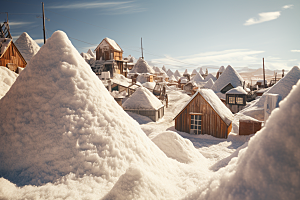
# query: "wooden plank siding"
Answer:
x=212 y=123
x=12 y=55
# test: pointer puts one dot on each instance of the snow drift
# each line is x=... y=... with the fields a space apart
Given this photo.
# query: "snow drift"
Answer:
x=7 y=78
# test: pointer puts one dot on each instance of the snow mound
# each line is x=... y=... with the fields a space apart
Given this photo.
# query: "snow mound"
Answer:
x=63 y=120
x=228 y=76
x=149 y=85
x=177 y=74
x=178 y=148
x=91 y=53
x=142 y=98
x=194 y=72
x=197 y=78
x=170 y=73
x=172 y=78
x=209 y=84
x=201 y=71
x=7 y=78
x=269 y=167
x=186 y=72
x=210 y=76
x=27 y=46
x=141 y=66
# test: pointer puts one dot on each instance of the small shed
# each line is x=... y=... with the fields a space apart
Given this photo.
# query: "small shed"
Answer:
x=143 y=102
x=248 y=127
x=205 y=113
x=10 y=55
x=236 y=99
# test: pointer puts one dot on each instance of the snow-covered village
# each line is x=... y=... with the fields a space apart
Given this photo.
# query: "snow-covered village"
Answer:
x=105 y=121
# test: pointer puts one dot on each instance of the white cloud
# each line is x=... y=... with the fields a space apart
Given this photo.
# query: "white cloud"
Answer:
x=39 y=41
x=12 y=23
x=234 y=57
x=263 y=17
x=287 y=6
x=295 y=51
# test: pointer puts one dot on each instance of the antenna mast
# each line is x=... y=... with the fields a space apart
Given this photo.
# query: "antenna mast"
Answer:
x=44 y=23
x=142 y=48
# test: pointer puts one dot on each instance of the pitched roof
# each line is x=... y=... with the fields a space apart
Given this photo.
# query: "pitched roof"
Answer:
x=112 y=43
x=142 y=98
x=228 y=76
x=214 y=101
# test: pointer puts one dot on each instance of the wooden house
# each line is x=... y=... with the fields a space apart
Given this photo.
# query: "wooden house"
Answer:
x=108 y=50
x=10 y=55
x=236 y=99
x=143 y=102
x=205 y=113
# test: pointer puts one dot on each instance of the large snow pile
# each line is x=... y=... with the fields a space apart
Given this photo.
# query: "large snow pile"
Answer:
x=269 y=167
x=177 y=74
x=210 y=76
x=91 y=53
x=178 y=148
x=170 y=73
x=7 y=78
x=197 y=78
x=27 y=46
x=221 y=69
x=142 y=98
x=228 y=76
x=64 y=127
x=194 y=72
x=209 y=84
x=141 y=66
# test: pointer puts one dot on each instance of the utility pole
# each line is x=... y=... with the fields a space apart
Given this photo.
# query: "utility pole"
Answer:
x=44 y=29
x=264 y=72
x=142 y=48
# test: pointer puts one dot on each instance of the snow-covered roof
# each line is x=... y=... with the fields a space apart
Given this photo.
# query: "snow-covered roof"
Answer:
x=142 y=98
x=112 y=43
x=4 y=43
x=27 y=46
x=194 y=71
x=237 y=90
x=222 y=68
x=141 y=66
x=209 y=84
x=172 y=78
x=214 y=101
x=210 y=76
x=228 y=76
x=197 y=78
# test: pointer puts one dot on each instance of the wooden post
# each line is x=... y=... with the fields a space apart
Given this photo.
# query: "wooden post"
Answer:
x=264 y=73
x=44 y=23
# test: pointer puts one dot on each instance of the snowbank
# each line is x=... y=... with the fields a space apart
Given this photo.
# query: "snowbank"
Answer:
x=269 y=167
x=27 y=46
x=178 y=148
x=7 y=78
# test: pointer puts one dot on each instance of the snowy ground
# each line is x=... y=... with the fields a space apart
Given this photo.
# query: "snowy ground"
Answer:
x=214 y=149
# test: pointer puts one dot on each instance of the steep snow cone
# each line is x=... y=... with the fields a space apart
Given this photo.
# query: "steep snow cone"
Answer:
x=27 y=46
x=59 y=118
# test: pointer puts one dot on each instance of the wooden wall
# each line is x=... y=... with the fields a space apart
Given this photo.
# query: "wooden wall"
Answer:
x=212 y=124
x=12 y=55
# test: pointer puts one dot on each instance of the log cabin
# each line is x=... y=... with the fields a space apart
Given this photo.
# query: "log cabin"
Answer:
x=110 y=52
x=10 y=56
x=205 y=113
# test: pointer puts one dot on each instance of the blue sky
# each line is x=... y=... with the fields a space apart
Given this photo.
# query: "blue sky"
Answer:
x=178 y=34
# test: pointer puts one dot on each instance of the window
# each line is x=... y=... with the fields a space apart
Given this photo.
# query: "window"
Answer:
x=231 y=100
x=239 y=100
x=196 y=124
